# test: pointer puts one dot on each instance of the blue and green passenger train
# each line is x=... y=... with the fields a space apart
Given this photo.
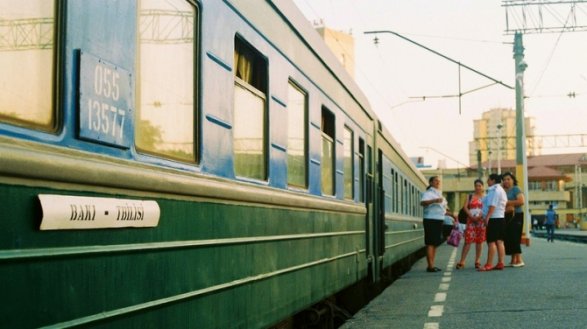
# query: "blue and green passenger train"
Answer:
x=188 y=164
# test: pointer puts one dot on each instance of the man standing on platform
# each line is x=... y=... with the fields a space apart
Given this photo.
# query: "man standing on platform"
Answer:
x=550 y=223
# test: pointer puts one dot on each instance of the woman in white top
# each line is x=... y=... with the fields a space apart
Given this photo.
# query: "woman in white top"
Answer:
x=434 y=211
x=494 y=216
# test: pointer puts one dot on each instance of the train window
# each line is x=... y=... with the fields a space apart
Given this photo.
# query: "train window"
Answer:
x=411 y=196
x=414 y=201
x=406 y=200
x=361 y=170
x=369 y=160
x=349 y=176
x=327 y=128
x=165 y=123
x=393 y=205
x=395 y=192
x=296 y=136
x=27 y=63
x=250 y=90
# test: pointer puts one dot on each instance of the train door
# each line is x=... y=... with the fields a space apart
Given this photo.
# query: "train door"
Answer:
x=370 y=203
x=380 y=213
x=375 y=216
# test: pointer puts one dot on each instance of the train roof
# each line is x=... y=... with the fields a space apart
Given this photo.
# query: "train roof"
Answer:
x=306 y=31
x=314 y=43
x=298 y=22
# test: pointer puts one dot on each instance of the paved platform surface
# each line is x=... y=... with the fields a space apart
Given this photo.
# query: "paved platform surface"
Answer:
x=549 y=292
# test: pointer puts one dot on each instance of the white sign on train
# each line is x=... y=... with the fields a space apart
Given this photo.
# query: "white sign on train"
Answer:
x=65 y=212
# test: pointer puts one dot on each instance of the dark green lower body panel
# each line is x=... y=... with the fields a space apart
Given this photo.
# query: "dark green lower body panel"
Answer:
x=401 y=240
x=206 y=265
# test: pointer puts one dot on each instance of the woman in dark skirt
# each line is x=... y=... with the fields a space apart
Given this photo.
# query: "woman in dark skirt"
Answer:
x=514 y=219
x=435 y=209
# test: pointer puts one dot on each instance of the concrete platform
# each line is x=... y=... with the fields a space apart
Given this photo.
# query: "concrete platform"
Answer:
x=549 y=292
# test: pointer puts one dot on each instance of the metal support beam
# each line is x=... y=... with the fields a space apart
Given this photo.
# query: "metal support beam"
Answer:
x=521 y=159
x=545 y=16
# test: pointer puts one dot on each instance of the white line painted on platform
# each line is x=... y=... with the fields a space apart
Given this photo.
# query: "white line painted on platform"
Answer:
x=431 y=325
x=440 y=297
x=436 y=311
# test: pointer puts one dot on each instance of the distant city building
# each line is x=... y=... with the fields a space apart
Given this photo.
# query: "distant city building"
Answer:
x=342 y=45
x=494 y=137
x=419 y=162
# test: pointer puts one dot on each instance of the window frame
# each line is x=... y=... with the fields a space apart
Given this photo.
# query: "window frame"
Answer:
x=328 y=132
x=196 y=109
x=361 y=170
x=263 y=94
x=293 y=84
x=347 y=129
x=56 y=116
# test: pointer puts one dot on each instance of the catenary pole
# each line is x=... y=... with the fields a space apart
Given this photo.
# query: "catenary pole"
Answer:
x=521 y=158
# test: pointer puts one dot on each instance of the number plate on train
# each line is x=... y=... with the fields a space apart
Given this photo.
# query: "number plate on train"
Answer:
x=105 y=102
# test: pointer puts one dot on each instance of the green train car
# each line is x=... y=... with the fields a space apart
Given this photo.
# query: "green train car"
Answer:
x=189 y=164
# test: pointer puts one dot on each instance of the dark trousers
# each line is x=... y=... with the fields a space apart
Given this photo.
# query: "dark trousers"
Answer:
x=550 y=232
x=513 y=233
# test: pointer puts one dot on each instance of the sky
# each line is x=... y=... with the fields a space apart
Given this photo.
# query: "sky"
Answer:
x=395 y=74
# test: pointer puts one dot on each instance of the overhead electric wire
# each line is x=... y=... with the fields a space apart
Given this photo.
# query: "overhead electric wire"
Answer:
x=551 y=55
x=386 y=65
x=361 y=72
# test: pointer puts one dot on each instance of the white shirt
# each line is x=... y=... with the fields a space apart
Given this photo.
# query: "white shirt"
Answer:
x=434 y=210
x=497 y=198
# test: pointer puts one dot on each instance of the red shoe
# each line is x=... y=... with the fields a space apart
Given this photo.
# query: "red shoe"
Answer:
x=485 y=268
x=499 y=266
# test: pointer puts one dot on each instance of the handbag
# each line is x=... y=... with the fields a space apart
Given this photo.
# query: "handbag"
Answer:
x=455 y=236
x=463 y=214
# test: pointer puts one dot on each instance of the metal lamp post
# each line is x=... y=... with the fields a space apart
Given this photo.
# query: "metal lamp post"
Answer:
x=499 y=126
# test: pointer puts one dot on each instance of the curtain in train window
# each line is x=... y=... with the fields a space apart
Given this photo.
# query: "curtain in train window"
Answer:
x=27 y=57
x=348 y=160
x=405 y=200
x=396 y=202
x=361 y=170
x=392 y=191
x=327 y=163
x=250 y=89
x=165 y=123
x=296 y=136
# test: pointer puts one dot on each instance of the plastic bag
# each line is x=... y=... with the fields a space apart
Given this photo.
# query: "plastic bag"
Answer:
x=455 y=237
